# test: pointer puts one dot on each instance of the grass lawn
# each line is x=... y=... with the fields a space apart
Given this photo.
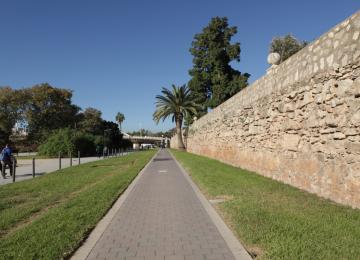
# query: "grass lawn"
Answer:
x=275 y=220
x=48 y=217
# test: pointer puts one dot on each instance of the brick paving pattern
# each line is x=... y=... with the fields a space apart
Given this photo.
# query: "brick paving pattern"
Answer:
x=162 y=218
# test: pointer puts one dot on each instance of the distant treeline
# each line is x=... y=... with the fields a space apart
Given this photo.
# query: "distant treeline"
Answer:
x=41 y=111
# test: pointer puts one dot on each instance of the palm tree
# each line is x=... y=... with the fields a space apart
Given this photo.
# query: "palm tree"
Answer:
x=177 y=103
x=120 y=118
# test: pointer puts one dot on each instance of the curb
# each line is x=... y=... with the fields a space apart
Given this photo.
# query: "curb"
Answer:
x=84 y=250
x=236 y=248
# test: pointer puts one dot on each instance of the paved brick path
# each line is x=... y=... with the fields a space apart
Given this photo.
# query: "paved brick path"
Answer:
x=162 y=218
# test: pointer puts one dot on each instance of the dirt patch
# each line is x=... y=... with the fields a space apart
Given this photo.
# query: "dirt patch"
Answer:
x=101 y=165
x=224 y=197
x=255 y=252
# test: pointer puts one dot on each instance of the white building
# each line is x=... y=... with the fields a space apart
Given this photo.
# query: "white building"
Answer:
x=20 y=129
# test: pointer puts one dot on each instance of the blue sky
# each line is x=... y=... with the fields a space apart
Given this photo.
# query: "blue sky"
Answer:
x=116 y=55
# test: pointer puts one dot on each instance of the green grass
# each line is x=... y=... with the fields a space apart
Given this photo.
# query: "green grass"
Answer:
x=273 y=219
x=49 y=216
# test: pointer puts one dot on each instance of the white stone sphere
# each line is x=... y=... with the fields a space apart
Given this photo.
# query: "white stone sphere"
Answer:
x=273 y=58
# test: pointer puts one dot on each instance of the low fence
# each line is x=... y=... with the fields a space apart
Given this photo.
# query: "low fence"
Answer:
x=106 y=154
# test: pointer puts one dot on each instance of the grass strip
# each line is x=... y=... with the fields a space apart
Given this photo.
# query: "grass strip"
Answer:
x=48 y=217
x=275 y=220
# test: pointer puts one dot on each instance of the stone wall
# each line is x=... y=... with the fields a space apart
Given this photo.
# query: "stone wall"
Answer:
x=174 y=142
x=300 y=123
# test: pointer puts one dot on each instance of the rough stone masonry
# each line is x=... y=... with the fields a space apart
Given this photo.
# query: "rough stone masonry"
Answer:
x=300 y=123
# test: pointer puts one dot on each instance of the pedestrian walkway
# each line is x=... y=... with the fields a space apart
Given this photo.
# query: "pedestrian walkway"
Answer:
x=162 y=218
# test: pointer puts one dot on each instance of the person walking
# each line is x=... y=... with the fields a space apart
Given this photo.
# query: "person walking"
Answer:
x=98 y=151
x=1 y=166
x=6 y=160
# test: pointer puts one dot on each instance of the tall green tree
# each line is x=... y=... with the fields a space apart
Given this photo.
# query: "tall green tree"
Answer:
x=112 y=134
x=213 y=80
x=176 y=103
x=49 y=108
x=91 y=121
x=120 y=118
x=286 y=46
x=12 y=104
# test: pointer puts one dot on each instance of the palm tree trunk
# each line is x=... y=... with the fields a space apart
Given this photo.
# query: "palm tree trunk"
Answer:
x=181 y=145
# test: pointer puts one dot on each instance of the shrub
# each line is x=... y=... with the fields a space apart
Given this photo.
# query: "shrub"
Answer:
x=85 y=143
x=59 y=141
x=67 y=140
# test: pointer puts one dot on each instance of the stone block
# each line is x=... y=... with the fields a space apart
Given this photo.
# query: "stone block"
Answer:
x=339 y=136
x=355 y=170
x=331 y=121
x=308 y=98
x=343 y=87
x=291 y=125
x=353 y=148
x=355 y=119
x=291 y=142
x=352 y=131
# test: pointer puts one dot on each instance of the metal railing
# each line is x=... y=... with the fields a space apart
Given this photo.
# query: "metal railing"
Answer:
x=106 y=154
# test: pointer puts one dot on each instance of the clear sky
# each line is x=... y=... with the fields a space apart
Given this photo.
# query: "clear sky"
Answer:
x=116 y=55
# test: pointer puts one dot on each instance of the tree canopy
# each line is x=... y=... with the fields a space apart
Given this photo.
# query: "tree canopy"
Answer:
x=213 y=80
x=45 y=110
x=112 y=134
x=11 y=111
x=120 y=118
x=91 y=121
x=49 y=108
x=286 y=46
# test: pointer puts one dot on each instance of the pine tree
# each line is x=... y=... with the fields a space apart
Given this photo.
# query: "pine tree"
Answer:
x=213 y=79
